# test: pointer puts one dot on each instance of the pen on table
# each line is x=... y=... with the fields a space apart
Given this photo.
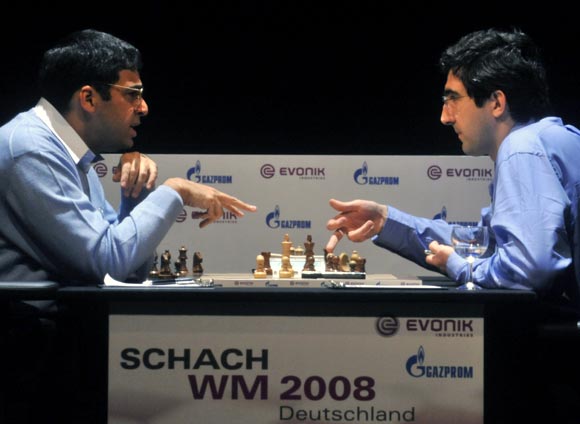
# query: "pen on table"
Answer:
x=177 y=280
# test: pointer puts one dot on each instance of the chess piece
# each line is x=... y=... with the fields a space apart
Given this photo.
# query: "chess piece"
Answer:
x=197 y=266
x=360 y=265
x=329 y=259
x=154 y=273
x=353 y=260
x=335 y=266
x=165 y=268
x=343 y=263
x=267 y=266
x=181 y=264
x=286 y=246
x=309 y=264
x=308 y=246
x=286 y=270
x=260 y=271
x=299 y=251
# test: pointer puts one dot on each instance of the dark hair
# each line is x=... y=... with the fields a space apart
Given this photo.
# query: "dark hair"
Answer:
x=490 y=60
x=84 y=57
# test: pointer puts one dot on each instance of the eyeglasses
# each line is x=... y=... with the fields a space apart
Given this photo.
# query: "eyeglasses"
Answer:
x=136 y=93
x=450 y=99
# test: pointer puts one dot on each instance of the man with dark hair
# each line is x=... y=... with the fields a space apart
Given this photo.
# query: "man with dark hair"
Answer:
x=496 y=99
x=57 y=224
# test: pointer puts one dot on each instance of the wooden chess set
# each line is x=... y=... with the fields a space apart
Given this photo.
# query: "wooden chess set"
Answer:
x=297 y=267
x=292 y=262
x=294 y=267
x=302 y=262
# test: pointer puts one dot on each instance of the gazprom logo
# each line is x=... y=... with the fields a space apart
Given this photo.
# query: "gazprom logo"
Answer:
x=417 y=367
x=273 y=221
x=441 y=215
x=194 y=174
x=361 y=177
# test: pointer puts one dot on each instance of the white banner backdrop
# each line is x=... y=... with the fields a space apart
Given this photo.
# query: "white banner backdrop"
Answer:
x=280 y=369
x=292 y=193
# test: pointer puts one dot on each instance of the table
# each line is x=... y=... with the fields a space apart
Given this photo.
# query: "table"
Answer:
x=498 y=326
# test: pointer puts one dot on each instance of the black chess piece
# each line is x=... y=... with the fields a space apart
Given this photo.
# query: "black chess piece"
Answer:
x=309 y=263
x=181 y=265
x=197 y=266
x=154 y=272
x=165 y=267
x=267 y=266
x=360 y=265
x=308 y=246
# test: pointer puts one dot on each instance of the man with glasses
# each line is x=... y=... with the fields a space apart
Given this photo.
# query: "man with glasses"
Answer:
x=57 y=224
x=496 y=100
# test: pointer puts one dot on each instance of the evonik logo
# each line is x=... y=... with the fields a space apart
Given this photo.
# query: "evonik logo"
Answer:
x=302 y=172
x=434 y=172
x=101 y=169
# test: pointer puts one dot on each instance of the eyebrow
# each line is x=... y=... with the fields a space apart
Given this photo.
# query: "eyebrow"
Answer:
x=449 y=91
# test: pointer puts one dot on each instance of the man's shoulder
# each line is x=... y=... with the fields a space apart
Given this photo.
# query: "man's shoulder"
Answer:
x=543 y=137
x=25 y=132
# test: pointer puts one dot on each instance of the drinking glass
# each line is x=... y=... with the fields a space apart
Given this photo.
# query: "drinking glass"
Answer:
x=469 y=242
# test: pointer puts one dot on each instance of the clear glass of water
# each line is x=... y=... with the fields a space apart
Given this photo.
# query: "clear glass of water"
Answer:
x=470 y=242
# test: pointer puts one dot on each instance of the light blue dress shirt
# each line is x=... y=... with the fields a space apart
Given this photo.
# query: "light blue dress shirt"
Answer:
x=55 y=221
x=533 y=216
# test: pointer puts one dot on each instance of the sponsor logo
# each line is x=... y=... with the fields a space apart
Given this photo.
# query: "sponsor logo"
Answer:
x=417 y=367
x=361 y=176
x=302 y=172
x=194 y=174
x=387 y=326
x=273 y=220
x=435 y=172
x=101 y=169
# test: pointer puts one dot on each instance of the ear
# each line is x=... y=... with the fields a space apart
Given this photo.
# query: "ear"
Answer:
x=87 y=98
x=499 y=103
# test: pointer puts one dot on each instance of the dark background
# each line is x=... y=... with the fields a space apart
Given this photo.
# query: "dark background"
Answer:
x=290 y=77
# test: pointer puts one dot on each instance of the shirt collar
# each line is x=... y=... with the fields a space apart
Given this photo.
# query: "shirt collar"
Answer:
x=74 y=144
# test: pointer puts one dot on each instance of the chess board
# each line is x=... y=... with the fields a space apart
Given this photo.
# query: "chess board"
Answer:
x=326 y=281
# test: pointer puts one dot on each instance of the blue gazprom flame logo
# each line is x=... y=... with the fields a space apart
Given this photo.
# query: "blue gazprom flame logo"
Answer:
x=417 y=368
x=273 y=221
x=441 y=215
x=194 y=174
x=360 y=175
x=196 y=171
x=273 y=218
x=415 y=362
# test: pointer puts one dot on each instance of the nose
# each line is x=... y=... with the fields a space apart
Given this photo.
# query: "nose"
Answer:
x=446 y=117
x=142 y=108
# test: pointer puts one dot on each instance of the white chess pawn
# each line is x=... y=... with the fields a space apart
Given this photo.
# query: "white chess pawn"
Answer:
x=286 y=270
x=260 y=271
